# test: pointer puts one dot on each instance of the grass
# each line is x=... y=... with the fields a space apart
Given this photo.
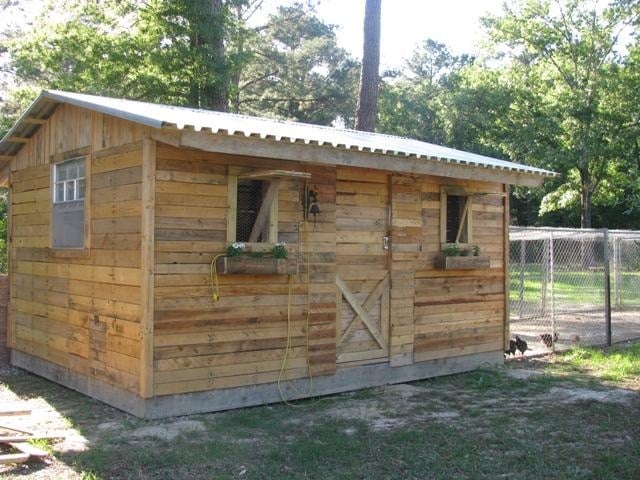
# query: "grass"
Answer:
x=485 y=424
x=618 y=364
x=579 y=287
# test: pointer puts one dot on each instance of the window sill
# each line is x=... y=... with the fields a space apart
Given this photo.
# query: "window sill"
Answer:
x=470 y=262
x=257 y=265
x=69 y=252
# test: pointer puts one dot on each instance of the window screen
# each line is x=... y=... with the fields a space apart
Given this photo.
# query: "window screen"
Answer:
x=68 y=203
x=250 y=193
x=455 y=213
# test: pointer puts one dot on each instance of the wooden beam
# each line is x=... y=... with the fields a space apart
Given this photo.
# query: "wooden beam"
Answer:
x=465 y=221
x=5 y=158
x=18 y=139
x=265 y=209
x=276 y=174
x=4 y=175
x=232 y=206
x=335 y=156
x=353 y=301
x=35 y=121
x=370 y=302
x=505 y=268
x=147 y=267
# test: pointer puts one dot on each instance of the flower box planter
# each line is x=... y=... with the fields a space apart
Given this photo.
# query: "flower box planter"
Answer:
x=443 y=262
x=257 y=265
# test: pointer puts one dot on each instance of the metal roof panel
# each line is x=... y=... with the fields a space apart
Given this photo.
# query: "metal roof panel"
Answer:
x=158 y=116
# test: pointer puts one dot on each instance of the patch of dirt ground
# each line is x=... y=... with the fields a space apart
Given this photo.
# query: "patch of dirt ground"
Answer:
x=381 y=409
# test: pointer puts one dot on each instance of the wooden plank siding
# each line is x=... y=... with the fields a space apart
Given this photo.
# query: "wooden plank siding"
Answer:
x=79 y=309
x=460 y=312
x=362 y=222
x=240 y=340
x=135 y=309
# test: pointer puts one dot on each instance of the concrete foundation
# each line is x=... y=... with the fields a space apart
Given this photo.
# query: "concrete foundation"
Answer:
x=344 y=380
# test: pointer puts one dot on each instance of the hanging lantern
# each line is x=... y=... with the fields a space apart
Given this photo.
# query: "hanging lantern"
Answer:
x=311 y=204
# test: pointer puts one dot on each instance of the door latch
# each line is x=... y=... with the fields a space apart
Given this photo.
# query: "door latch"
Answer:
x=385 y=242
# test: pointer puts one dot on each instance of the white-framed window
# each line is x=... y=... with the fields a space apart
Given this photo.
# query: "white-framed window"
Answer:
x=69 y=184
x=69 y=181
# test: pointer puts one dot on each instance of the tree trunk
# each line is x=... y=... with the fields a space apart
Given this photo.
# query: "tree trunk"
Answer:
x=586 y=197
x=366 y=111
x=215 y=92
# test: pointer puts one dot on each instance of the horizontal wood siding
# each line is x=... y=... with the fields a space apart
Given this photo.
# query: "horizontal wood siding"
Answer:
x=363 y=263
x=240 y=340
x=79 y=310
x=460 y=311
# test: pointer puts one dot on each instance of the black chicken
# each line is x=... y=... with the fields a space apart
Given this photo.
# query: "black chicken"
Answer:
x=521 y=345
x=546 y=338
x=512 y=348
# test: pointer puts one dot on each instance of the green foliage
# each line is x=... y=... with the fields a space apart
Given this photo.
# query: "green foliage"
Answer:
x=452 y=250
x=552 y=89
x=297 y=71
x=566 y=69
x=185 y=53
x=279 y=251
x=235 y=249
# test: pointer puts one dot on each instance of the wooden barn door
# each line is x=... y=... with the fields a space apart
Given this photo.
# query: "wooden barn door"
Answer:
x=363 y=280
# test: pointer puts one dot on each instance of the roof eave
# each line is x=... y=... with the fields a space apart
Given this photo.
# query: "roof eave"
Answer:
x=320 y=154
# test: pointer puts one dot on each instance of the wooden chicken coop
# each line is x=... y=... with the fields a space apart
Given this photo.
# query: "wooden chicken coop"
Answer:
x=169 y=261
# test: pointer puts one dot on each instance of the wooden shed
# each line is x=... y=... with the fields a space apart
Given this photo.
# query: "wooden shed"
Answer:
x=120 y=209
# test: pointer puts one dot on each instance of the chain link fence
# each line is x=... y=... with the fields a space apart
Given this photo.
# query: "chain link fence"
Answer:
x=573 y=287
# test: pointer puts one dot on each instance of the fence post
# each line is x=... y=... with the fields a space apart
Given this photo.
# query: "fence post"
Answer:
x=607 y=285
x=617 y=275
x=523 y=257
x=553 y=299
x=544 y=279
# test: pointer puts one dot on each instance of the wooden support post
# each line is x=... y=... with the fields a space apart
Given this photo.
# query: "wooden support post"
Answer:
x=11 y=254
x=507 y=284
x=405 y=253
x=232 y=206
x=263 y=214
x=147 y=267
x=607 y=285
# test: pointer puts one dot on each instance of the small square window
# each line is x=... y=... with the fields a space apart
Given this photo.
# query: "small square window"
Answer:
x=250 y=194
x=456 y=218
x=253 y=207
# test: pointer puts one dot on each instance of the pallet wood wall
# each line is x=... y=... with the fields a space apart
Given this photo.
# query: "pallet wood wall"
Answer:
x=79 y=310
x=362 y=223
x=240 y=340
x=84 y=312
x=462 y=311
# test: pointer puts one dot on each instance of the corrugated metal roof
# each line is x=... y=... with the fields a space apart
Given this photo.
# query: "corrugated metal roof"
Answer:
x=158 y=116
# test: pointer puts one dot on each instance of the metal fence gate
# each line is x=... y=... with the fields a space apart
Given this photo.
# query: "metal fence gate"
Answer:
x=573 y=286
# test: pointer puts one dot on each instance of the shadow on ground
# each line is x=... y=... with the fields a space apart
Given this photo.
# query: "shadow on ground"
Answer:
x=531 y=418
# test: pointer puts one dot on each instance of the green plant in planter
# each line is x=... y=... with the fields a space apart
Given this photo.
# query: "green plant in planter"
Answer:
x=256 y=254
x=279 y=250
x=476 y=250
x=235 y=249
x=452 y=250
